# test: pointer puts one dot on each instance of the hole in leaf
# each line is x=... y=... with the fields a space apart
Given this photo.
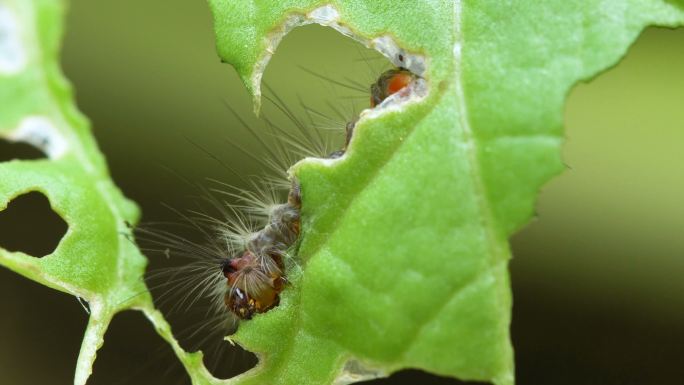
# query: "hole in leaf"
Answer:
x=29 y=225
x=412 y=376
x=327 y=73
x=41 y=331
x=134 y=354
x=18 y=150
x=225 y=360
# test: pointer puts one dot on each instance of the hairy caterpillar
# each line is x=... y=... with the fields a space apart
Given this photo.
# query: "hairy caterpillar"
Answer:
x=243 y=267
x=256 y=277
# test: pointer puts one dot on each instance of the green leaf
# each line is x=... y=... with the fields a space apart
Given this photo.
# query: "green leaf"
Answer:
x=95 y=260
x=404 y=247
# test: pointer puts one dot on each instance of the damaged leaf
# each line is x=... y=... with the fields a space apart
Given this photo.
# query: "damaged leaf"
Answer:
x=95 y=260
x=404 y=247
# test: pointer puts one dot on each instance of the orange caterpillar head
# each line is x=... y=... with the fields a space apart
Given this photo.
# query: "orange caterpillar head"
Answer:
x=252 y=288
x=390 y=82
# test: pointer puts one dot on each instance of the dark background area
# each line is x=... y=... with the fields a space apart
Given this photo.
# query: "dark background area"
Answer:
x=597 y=276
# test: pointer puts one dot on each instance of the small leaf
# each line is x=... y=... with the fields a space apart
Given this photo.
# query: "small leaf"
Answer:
x=404 y=247
x=95 y=260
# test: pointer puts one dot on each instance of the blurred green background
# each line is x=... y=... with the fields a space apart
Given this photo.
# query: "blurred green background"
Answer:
x=598 y=276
